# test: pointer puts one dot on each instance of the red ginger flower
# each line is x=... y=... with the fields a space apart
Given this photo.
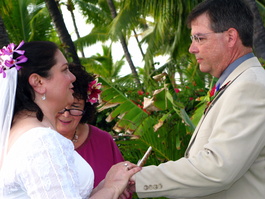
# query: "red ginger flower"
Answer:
x=93 y=91
x=212 y=92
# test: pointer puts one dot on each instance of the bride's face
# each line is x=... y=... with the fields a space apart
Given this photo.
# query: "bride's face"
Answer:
x=59 y=88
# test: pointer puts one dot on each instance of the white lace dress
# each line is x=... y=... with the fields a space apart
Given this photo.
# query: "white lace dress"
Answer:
x=43 y=164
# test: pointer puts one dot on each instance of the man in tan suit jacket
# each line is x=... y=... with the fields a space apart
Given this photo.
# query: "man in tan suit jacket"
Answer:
x=225 y=158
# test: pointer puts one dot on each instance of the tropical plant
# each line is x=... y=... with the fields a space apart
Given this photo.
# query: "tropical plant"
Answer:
x=124 y=44
x=259 y=29
x=4 y=37
x=101 y=14
x=160 y=119
x=70 y=7
x=26 y=20
x=104 y=65
x=162 y=26
x=64 y=36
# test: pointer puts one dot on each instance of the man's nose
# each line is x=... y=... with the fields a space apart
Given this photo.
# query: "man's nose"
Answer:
x=193 y=48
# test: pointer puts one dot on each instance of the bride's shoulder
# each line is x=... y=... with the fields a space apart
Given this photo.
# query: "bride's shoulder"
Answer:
x=39 y=137
x=44 y=134
x=26 y=126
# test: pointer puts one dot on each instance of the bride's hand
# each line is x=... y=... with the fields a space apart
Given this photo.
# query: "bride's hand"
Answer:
x=118 y=177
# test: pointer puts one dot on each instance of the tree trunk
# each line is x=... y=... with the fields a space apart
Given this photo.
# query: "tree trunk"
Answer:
x=259 y=30
x=124 y=46
x=70 y=8
x=62 y=31
x=4 y=40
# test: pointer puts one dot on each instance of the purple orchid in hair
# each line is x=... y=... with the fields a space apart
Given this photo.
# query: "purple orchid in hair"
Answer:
x=14 y=62
x=6 y=57
x=9 y=49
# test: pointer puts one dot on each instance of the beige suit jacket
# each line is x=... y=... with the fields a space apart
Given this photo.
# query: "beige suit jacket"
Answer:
x=225 y=158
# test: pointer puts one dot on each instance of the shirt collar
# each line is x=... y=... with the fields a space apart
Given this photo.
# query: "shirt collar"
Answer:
x=230 y=69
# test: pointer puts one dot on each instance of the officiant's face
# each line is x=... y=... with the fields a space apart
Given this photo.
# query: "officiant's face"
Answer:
x=67 y=120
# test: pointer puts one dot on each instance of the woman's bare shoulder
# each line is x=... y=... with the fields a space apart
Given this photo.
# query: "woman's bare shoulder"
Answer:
x=21 y=126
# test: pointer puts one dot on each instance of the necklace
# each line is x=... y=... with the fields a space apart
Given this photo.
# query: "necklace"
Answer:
x=75 y=138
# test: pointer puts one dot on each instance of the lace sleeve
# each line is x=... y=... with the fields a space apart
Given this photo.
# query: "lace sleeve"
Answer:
x=47 y=169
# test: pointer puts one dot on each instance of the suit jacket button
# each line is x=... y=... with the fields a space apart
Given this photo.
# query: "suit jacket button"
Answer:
x=155 y=186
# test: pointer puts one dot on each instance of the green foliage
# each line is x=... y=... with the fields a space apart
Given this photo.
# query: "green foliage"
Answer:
x=27 y=20
x=164 y=118
x=159 y=120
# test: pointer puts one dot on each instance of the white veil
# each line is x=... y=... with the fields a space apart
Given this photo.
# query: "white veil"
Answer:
x=7 y=99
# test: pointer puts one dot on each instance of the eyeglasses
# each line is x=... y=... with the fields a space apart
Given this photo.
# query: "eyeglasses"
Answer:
x=199 y=37
x=73 y=112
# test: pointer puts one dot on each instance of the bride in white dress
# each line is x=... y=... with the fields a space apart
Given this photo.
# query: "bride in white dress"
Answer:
x=36 y=161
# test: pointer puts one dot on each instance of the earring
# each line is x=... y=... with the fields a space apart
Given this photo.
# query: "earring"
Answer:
x=43 y=97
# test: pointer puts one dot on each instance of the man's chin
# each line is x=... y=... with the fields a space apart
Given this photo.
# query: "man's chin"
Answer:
x=203 y=69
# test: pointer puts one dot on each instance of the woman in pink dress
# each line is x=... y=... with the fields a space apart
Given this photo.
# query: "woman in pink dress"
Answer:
x=96 y=146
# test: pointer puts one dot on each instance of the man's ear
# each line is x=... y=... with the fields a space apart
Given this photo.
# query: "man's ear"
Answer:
x=232 y=36
x=36 y=81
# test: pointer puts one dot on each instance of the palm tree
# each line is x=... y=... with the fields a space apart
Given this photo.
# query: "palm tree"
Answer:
x=71 y=7
x=4 y=40
x=162 y=26
x=103 y=65
x=62 y=30
x=26 y=20
x=124 y=45
x=100 y=14
x=259 y=30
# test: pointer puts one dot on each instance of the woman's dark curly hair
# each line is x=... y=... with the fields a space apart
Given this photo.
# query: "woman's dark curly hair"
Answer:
x=83 y=78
